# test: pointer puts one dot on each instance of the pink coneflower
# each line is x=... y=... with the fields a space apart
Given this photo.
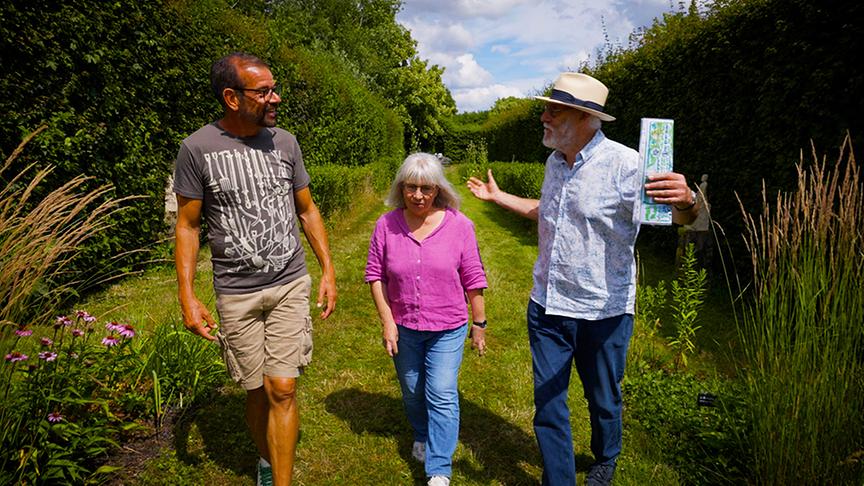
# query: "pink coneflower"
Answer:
x=48 y=355
x=85 y=316
x=77 y=332
x=113 y=326
x=46 y=341
x=126 y=330
x=54 y=417
x=63 y=321
x=16 y=356
x=23 y=332
x=110 y=340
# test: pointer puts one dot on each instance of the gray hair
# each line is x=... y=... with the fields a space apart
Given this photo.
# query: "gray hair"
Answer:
x=425 y=169
x=594 y=123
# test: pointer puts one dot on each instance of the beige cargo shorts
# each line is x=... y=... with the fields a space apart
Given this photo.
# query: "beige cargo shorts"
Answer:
x=268 y=332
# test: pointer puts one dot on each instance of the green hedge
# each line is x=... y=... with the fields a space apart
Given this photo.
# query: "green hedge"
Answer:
x=749 y=87
x=120 y=84
x=520 y=179
x=336 y=187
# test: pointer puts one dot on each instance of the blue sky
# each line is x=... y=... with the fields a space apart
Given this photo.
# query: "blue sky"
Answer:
x=491 y=49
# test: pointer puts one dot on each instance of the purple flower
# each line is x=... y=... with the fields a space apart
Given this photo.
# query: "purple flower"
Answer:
x=15 y=356
x=23 y=332
x=54 y=417
x=110 y=340
x=46 y=341
x=77 y=332
x=126 y=330
x=62 y=321
x=48 y=355
x=85 y=316
x=113 y=326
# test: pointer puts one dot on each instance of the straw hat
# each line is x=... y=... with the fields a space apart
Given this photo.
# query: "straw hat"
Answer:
x=579 y=91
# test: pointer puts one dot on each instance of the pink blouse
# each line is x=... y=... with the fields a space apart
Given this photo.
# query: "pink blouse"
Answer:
x=425 y=282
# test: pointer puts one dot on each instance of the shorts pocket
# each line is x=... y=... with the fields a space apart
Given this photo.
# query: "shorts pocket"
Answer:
x=230 y=360
x=306 y=343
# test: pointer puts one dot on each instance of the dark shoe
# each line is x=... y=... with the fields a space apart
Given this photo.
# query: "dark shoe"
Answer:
x=600 y=475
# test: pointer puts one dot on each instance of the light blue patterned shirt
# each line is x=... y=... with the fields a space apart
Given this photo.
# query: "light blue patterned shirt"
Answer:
x=586 y=267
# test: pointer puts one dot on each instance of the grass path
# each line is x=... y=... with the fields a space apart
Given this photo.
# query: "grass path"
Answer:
x=354 y=430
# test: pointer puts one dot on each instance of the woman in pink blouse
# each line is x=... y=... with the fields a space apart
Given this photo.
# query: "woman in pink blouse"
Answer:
x=423 y=260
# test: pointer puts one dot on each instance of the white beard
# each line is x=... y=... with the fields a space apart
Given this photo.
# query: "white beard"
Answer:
x=558 y=138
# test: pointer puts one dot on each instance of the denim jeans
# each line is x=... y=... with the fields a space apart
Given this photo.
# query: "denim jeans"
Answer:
x=599 y=350
x=428 y=369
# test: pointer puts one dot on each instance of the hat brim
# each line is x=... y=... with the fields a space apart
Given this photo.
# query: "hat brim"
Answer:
x=598 y=114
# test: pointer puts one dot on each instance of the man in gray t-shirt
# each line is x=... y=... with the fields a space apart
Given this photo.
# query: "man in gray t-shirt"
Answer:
x=246 y=178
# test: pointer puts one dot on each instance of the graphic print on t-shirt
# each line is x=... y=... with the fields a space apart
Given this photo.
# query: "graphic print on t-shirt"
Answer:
x=255 y=191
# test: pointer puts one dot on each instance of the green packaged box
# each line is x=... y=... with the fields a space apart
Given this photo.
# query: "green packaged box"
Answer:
x=655 y=156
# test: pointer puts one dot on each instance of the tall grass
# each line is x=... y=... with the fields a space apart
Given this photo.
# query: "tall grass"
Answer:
x=803 y=335
x=39 y=238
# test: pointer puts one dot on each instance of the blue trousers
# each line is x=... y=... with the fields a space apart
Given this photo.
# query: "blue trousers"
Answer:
x=428 y=369
x=599 y=350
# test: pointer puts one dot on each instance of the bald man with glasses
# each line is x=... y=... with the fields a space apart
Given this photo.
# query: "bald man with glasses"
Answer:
x=246 y=178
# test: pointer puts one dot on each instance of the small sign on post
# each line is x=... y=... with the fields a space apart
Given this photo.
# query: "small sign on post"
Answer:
x=655 y=156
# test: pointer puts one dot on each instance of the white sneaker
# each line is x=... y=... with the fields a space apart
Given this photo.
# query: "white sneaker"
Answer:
x=438 y=481
x=265 y=474
x=418 y=451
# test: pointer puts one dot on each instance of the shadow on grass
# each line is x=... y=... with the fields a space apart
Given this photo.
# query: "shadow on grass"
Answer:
x=523 y=229
x=502 y=449
x=224 y=437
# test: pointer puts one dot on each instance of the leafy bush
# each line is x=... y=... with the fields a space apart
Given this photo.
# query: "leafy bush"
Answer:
x=703 y=442
x=749 y=84
x=521 y=179
x=64 y=411
x=334 y=187
x=71 y=397
x=335 y=118
x=125 y=82
x=688 y=295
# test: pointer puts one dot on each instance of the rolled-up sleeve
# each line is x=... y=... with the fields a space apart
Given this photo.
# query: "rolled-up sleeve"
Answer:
x=375 y=259
x=471 y=271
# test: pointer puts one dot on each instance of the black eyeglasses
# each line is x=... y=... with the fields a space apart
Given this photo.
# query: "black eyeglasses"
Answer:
x=264 y=93
x=554 y=110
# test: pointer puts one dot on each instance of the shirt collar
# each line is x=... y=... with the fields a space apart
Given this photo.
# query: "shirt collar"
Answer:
x=587 y=151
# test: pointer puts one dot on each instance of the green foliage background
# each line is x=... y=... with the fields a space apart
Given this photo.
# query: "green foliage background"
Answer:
x=749 y=83
x=121 y=83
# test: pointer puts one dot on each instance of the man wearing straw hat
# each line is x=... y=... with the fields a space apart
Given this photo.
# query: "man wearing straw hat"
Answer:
x=582 y=303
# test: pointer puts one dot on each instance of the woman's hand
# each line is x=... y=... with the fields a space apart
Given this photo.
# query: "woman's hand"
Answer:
x=390 y=336
x=478 y=339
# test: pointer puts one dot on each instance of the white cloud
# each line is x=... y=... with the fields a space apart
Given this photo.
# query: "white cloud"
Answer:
x=466 y=73
x=482 y=98
x=440 y=37
x=486 y=45
x=461 y=8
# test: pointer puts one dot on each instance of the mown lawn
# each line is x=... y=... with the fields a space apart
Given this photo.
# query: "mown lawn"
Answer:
x=353 y=429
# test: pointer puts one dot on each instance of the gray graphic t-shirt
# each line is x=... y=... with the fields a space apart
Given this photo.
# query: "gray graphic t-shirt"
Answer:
x=247 y=186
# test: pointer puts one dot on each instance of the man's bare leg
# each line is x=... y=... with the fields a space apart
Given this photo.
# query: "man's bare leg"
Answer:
x=283 y=427
x=257 y=411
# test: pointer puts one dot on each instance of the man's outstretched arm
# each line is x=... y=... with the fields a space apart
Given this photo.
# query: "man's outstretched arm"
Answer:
x=489 y=191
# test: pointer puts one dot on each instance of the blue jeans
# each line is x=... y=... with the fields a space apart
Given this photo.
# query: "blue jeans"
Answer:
x=599 y=350
x=428 y=369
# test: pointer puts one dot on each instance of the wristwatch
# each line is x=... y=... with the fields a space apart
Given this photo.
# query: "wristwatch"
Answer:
x=693 y=195
x=480 y=324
